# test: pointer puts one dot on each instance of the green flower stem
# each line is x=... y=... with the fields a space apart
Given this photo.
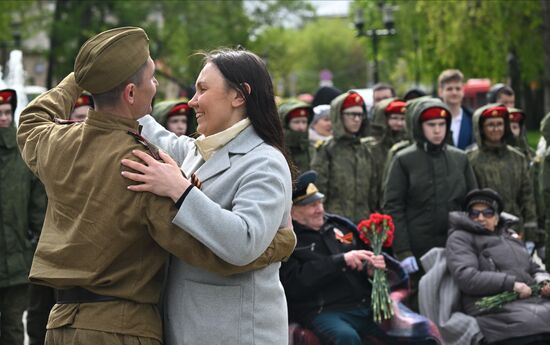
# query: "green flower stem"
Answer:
x=499 y=300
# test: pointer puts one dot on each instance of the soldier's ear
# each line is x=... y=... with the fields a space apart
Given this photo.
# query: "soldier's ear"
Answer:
x=129 y=93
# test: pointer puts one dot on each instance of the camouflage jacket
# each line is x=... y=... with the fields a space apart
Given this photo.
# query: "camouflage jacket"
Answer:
x=346 y=172
x=504 y=169
x=22 y=209
x=423 y=185
x=299 y=147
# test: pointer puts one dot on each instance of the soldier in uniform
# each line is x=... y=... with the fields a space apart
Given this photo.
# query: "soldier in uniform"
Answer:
x=345 y=164
x=176 y=116
x=389 y=114
x=296 y=117
x=22 y=208
x=519 y=135
x=102 y=246
x=83 y=103
x=425 y=181
x=502 y=167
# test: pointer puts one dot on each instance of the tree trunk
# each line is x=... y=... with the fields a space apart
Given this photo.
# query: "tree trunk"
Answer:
x=54 y=42
x=545 y=8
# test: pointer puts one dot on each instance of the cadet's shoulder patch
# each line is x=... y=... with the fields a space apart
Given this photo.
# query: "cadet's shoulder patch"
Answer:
x=368 y=140
x=61 y=121
x=318 y=144
x=516 y=151
x=400 y=145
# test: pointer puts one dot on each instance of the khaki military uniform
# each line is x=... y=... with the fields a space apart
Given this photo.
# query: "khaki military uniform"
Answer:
x=97 y=234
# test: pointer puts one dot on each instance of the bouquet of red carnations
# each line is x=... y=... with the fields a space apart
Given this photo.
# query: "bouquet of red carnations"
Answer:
x=377 y=232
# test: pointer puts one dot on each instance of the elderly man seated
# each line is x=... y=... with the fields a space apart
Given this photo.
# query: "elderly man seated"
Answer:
x=326 y=279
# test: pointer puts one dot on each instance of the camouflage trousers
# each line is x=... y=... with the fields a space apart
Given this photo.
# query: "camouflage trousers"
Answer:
x=13 y=302
x=77 y=336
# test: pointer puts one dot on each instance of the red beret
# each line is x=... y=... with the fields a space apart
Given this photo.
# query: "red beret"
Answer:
x=496 y=111
x=84 y=100
x=352 y=100
x=298 y=112
x=517 y=116
x=179 y=109
x=6 y=96
x=396 y=107
x=434 y=113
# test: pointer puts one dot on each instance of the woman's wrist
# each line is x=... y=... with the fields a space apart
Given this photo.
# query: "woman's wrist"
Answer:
x=177 y=191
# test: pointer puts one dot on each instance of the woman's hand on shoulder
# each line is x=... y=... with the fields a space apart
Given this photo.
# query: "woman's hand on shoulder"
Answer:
x=163 y=178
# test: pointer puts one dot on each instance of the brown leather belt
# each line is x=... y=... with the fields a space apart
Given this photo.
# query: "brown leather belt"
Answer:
x=81 y=295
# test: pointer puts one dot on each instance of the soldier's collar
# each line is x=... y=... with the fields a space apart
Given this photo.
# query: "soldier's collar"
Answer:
x=110 y=121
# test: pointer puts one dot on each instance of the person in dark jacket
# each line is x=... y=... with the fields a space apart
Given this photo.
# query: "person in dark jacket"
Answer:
x=425 y=181
x=326 y=278
x=485 y=258
x=22 y=209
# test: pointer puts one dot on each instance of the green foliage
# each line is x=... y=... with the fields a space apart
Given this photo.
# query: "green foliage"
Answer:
x=473 y=36
x=297 y=55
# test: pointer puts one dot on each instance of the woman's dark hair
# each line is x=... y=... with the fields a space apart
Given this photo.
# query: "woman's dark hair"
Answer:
x=239 y=67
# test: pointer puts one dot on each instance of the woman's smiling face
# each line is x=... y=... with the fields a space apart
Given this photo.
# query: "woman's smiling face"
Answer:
x=214 y=102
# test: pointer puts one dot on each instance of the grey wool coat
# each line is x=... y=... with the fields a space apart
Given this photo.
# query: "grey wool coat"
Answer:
x=485 y=263
x=245 y=197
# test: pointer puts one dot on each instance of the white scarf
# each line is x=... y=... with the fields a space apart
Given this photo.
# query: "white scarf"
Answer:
x=209 y=145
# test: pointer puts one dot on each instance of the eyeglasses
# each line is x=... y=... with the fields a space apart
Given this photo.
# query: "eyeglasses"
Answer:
x=487 y=213
x=494 y=125
x=353 y=114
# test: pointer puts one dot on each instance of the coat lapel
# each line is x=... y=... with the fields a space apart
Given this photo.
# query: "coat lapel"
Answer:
x=220 y=161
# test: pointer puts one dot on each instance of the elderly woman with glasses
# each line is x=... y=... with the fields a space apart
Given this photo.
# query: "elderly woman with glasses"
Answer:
x=485 y=258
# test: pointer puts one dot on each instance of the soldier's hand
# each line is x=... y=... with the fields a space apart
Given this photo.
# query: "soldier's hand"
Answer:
x=160 y=178
x=355 y=258
x=522 y=289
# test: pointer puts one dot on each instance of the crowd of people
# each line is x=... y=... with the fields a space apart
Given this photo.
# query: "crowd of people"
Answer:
x=110 y=208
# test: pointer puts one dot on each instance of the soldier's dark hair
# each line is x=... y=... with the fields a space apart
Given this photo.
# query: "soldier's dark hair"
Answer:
x=448 y=76
x=240 y=67
x=111 y=97
x=383 y=86
x=505 y=90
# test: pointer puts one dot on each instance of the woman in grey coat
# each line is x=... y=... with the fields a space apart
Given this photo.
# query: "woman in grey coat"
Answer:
x=486 y=258
x=237 y=195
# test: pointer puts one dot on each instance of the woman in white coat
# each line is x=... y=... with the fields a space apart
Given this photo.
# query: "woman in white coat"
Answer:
x=240 y=195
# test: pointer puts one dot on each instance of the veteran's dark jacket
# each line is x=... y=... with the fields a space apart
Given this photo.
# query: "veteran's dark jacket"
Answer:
x=347 y=175
x=22 y=208
x=423 y=185
x=316 y=277
x=97 y=234
x=485 y=263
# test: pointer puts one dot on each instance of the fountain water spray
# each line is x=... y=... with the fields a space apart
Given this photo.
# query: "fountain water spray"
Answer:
x=15 y=79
